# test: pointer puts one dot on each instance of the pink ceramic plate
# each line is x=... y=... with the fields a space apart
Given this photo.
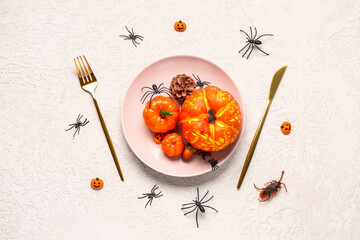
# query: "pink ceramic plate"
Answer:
x=140 y=137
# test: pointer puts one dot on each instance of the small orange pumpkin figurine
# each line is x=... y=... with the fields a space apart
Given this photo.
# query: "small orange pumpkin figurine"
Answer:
x=97 y=183
x=180 y=26
x=158 y=137
x=285 y=128
x=173 y=144
x=163 y=114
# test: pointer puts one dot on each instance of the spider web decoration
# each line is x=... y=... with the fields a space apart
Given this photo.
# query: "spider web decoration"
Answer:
x=252 y=42
x=132 y=37
x=198 y=204
x=151 y=195
x=78 y=124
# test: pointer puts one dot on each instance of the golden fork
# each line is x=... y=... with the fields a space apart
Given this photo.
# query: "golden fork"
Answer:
x=88 y=83
x=274 y=86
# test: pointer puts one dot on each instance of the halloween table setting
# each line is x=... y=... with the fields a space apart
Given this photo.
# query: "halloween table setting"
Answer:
x=179 y=119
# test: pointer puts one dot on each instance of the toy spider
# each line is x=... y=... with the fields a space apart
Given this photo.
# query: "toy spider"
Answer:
x=132 y=36
x=78 y=124
x=213 y=164
x=203 y=154
x=253 y=42
x=151 y=195
x=153 y=91
x=198 y=204
x=200 y=83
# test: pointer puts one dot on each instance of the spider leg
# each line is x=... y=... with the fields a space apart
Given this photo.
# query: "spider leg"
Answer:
x=245 y=33
x=133 y=41
x=261 y=50
x=150 y=100
x=79 y=118
x=264 y=35
x=160 y=85
x=210 y=207
x=190 y=211
x=204 y=196
x=188 y=207
x=157 y=195
x=169 y=95
x=77 y=130
x=132 y=30
x=127 y=29
x=255 y=32
x=257 y=187
x=147 y=88
x=208 y=199
x=124 y=36
x=244 y=47
x=251 y=33
x=284 y=186
x=148 y=203
x=252 y=48
x=246 y=50
x=185 y=204
x=85 y=122
x=198 y=194
x=153 y=189
x=73 y=125
x=142 y=197
x=145 y=95
x=197 y=222
x=151 y=199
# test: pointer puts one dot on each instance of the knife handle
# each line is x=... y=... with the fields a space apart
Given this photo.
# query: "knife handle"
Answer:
x=253 y=146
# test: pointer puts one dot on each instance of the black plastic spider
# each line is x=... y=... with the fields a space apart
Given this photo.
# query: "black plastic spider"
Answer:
x=132 y=36
x=153 y=91
x=200 y=83
x=213 y=164
x=253 y=42
x=151 y=195
x=198 y=204
x=78 y=124
x=203 y=154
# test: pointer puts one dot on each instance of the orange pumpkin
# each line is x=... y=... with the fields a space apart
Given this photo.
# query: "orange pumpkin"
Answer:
x=163 y=114
x=173 y=144
x=285 y=128
x=158 y=137
x=97 y=183
x=180 y=26
x=210 y=119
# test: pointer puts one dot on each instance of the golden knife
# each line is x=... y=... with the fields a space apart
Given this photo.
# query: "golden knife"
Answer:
x=274 y=86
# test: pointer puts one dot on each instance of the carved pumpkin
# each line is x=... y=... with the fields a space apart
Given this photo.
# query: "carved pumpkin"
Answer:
x=210 y=119
x=97 y=183
x=285 y=128
x=163 y=114
x=180 y=26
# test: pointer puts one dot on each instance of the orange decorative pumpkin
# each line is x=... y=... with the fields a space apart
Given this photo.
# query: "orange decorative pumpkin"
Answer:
x=210 y=119
x=285 y=128
x=180 y=26
x=97 y=183
x=163 y=114
x=172 y=144
x=158 y=137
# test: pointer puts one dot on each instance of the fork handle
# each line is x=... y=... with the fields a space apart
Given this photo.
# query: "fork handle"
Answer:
x=113 y=153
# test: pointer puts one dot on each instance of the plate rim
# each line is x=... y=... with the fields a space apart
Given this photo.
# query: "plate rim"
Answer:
x=182 y=175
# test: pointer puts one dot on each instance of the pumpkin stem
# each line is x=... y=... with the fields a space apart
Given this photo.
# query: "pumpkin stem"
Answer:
x=180 y=21
x=163 y=113
x=97 y=179
x=211 y=117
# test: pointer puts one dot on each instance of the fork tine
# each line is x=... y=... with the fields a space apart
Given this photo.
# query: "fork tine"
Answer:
x=87 y=73
x=82 y=71
x=90 y=70
x=78 y=71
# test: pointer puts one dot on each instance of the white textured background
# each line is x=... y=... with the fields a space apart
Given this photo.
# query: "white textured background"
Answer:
x=45 y=173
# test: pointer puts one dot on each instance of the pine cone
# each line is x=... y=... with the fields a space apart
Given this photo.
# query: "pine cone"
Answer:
x=182 y=86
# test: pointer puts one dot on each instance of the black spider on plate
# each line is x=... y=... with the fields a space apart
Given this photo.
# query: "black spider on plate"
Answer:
x=200 y=83
x=253 y=42
x=151 y=195
x=202 y=153
x=153 y=91
x=132 y=36
x=198 y=204
x=213 y=164
x=78 y=124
